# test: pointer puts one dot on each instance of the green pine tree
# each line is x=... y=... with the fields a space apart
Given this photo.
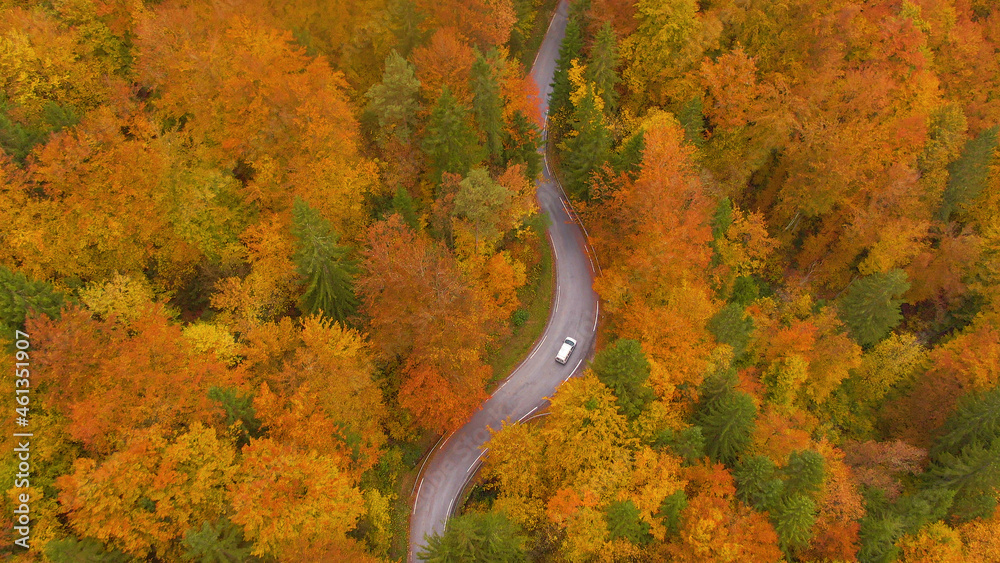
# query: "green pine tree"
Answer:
x=18 y=137
x=403 y=204
x=240 y=414
x=670 y=512
x=406 y=24
x=804 y=472
x=624 y=369
x=727 y=421
x=968 y=175
x=732 y=326
x=217 y=542
x=975 y=421
x=87 y=550
x=628 y=158
x=589 y=148
x=487 y=105
x=451 y=143
x=20 y=296
x=870 y=307
x=327 y=273
x=973 y=474
x=623 y=521
x=520 y=146
x=394 y=101
x=693 y=121
x=475 y=538
x=569 y=50
x=878 y=536
x=688 y=443
x=757 y=483
x=793 y=520
x=602 y=67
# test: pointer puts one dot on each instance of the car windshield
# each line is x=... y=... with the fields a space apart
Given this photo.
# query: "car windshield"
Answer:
x=570 y=342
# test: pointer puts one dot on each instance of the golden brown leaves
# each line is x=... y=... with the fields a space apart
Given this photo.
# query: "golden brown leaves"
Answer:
x=282 y=496
x=93 y=368
x=424 y=312
x=146 y=496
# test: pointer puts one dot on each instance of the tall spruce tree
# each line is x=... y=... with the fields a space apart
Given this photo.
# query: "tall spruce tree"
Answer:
x=602 y=67
x=624 y=369
x=217 y=542
x=589 y=148
x=793 y=520
x=966 y=459
x=89 y=550
x=487 y=106
x=623 y=521
x=403 y=204
x=451 y=143
x=327 y=273
x=475 y=538
x=757 y=482
x=870 y=308
x=967 y=176
x=520 y=146
x=693 y=121
x=20 y=296
x=395 y=100
x=727 y=422
x=628 y=158
x=572 y=45
x=977 y=420
x=804 y=472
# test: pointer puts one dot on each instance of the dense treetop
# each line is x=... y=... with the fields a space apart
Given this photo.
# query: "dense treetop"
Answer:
x=263 y=247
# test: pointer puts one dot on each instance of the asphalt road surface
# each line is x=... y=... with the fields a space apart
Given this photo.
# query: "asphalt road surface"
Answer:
x=575 y=310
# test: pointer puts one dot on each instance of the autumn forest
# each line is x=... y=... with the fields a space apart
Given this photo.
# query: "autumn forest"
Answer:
x=268 y=252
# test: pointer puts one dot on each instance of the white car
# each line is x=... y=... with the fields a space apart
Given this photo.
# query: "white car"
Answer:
x=567 y=348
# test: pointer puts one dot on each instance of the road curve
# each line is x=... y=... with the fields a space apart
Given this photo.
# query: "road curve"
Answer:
x=574 y=314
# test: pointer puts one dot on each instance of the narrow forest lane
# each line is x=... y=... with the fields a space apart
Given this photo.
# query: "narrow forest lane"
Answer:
x=574 y=314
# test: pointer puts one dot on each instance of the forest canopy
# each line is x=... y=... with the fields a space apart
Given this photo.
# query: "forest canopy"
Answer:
x=267 y=251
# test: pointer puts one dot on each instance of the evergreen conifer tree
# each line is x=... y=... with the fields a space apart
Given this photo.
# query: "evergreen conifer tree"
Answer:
x=727 y=421
x=73 y=550
x=20 y=296
x=327 y=273
x=569 y=50
x=475 y=538
x=394 y=101
x=589 y=148
x=451 y=143
x=403 y=204
x=624 y=369
x=623 y=521
x=602 y=67
x=487 y=106
x=870 y=308
x=217 y=542
x=793 y=520
x=520 y=146
x=804 y=472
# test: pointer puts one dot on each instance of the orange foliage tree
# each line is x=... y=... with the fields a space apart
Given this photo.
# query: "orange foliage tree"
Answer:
x=145 y=497
x=425 y=315
x=715 y=526
x=262 y=108
x=283 y=497
x=93 y=367
x=653 y=239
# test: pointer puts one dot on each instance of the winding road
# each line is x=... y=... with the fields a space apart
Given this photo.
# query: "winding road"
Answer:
x=574 y=313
